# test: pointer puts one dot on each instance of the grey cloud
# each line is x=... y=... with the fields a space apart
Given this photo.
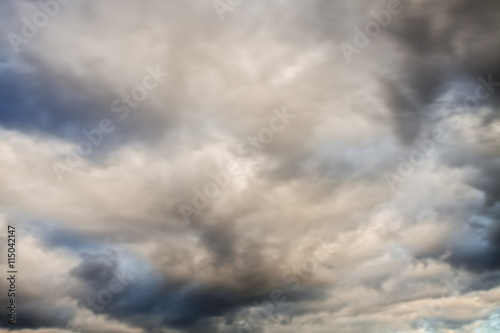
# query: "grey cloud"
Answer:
x=322 y=175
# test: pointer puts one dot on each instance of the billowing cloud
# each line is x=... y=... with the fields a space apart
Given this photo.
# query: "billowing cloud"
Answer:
x=245 y=166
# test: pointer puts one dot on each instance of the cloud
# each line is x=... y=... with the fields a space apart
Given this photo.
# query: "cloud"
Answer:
x=113 y=214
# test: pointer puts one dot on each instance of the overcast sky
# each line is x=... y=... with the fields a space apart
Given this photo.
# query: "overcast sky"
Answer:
x=248 y=166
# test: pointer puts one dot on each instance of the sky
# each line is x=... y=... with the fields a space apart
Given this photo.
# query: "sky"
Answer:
x=250 y=166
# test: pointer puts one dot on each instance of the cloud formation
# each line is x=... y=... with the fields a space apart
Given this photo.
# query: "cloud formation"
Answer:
x=305 y=233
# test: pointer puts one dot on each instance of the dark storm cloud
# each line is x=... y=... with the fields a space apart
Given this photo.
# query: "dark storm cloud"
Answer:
x=478 y=247
x=321 y=174
x=440 y=43
x=43 y=102
x=485 y=254
x=219 y=240
x=154 y=301
x=489 y=182
x=482 y=257
x=479 y=260
x=38 y=311
x=487 y=282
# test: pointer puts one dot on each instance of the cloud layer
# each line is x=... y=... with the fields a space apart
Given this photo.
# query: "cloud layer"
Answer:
x=171 y=171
